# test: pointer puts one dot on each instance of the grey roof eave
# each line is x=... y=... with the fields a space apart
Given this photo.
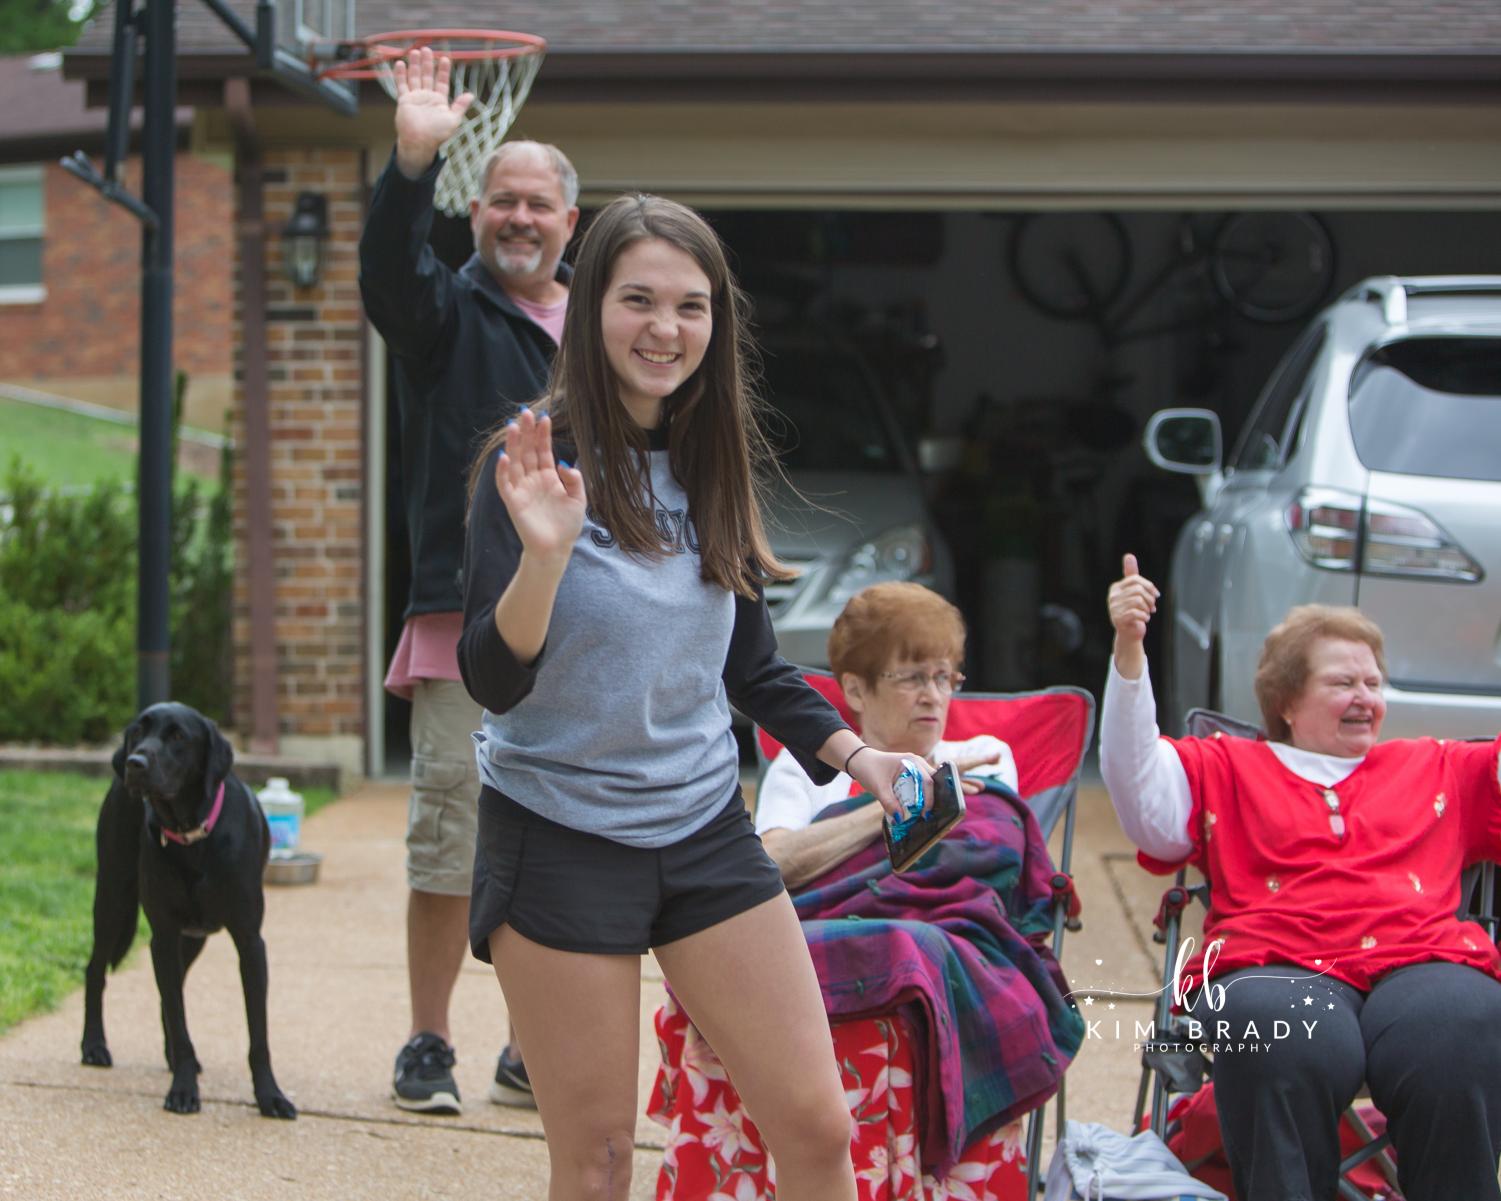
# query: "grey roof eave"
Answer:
x=592 y=75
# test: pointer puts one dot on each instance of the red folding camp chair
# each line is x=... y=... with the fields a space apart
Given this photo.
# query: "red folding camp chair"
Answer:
x=1049 y=733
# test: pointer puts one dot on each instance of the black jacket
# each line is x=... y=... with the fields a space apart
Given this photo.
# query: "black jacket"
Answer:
x=466 y=357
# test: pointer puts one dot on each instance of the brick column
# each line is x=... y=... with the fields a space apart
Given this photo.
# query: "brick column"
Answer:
x=315 y=367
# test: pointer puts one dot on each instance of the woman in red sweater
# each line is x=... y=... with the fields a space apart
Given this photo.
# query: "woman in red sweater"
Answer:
x=1333 y=946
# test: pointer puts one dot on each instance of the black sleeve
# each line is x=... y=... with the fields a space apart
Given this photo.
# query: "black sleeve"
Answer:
x=493 y=675
x=408 y=292
x=772 y=692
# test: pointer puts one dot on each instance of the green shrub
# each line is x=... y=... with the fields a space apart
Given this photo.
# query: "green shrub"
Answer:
x=68 y=607
x=64 y=676
x=202 y=579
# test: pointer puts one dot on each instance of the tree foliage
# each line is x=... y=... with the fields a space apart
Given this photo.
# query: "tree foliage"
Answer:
x=32 y=26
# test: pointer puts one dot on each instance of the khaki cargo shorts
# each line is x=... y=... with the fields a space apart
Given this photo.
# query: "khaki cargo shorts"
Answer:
x=442 y=815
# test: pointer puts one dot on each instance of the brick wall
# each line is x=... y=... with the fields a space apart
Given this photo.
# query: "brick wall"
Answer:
x=89 y=324
x=315 y=367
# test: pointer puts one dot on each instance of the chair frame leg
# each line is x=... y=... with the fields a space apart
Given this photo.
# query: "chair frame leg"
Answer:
x=1034 y=1152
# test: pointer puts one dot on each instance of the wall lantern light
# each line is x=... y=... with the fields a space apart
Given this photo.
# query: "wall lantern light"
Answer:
x=302 y=240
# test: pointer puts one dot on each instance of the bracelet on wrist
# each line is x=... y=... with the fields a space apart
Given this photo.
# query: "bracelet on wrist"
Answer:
x=848 y=758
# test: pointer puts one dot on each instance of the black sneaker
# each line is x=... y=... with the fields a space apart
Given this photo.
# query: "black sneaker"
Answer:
x=424 y=1076
x=511 y=1087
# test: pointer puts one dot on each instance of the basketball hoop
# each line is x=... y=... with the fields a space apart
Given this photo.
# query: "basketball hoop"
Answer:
x=497 y=67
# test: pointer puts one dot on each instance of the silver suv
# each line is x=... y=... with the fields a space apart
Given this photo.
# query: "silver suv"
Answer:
x=861 y=516
x=1369 y=473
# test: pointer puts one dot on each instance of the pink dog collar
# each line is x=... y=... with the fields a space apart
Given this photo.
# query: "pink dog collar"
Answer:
x=202 y=831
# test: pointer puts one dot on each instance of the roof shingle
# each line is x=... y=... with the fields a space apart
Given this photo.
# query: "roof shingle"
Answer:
x=857 y=27
x=39 y=107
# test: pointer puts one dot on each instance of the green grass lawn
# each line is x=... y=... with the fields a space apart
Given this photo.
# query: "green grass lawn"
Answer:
x=47 y=886
x=69 y=448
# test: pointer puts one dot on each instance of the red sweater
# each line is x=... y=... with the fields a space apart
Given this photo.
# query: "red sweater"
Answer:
x=1287 y=889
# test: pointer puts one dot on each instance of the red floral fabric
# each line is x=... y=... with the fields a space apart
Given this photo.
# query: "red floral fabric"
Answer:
x=714 y=1151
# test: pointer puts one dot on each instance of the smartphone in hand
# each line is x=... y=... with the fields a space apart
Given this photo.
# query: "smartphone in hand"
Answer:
x=908 y=838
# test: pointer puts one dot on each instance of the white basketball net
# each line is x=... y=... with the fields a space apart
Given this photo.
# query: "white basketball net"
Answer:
x=500 y=87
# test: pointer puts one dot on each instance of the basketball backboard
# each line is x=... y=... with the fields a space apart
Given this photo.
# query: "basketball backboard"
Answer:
x=293 y=37
x=308 y=29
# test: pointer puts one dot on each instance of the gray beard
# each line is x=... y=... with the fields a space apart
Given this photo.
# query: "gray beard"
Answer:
x=510 y=266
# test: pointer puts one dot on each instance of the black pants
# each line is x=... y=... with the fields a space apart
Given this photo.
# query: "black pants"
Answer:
x=1427 y=1040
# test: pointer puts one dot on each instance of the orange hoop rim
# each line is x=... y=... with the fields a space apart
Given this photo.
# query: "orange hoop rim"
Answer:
x=380 y=50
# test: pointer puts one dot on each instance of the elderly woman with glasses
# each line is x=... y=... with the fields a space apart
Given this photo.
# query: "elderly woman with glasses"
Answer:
x=896 y=651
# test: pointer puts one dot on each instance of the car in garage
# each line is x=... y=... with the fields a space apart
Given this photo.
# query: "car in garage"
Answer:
x=855 y=513
x=1369 y=474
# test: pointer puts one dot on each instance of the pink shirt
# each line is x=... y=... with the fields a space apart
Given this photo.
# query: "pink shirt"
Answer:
x=548 y=316
x=428 y=650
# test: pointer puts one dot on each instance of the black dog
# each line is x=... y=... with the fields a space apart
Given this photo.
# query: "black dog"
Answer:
x=181 y=836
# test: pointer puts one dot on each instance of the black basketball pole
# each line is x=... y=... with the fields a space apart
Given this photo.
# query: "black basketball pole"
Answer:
x=154 y=485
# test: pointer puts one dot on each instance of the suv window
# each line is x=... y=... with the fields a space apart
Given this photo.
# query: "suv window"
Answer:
x=828 y=416
x=1268 y=435
x=1430 y=406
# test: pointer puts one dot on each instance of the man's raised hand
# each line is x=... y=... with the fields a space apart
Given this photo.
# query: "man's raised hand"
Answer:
x=425 y=117
x=545 y=499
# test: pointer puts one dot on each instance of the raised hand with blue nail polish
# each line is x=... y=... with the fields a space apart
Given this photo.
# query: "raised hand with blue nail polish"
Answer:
x=545 y=498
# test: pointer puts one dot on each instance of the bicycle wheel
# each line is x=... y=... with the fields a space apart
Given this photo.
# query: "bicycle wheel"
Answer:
x=1272 y=267
x=1071 y=266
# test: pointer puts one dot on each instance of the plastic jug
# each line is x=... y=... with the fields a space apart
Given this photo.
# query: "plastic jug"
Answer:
x=283 y=810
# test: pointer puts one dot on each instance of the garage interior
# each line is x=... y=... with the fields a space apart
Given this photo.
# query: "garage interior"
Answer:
x=1027 y=424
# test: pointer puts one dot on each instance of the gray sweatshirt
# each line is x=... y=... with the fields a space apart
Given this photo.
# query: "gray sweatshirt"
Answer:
x=621 y=727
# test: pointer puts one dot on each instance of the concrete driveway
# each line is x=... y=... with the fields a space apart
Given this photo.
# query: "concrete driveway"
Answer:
x=338 y=1014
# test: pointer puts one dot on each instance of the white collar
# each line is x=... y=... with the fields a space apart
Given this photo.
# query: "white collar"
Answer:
x=1324 y=770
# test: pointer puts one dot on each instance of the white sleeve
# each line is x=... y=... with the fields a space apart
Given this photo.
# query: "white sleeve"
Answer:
x=1003 y=769
x=788 y=800
x=1143 y=774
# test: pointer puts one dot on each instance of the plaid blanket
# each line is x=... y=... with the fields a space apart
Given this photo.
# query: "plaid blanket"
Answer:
x=960 y=940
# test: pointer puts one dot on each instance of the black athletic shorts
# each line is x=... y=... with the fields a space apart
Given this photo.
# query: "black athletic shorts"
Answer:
x=579 y=892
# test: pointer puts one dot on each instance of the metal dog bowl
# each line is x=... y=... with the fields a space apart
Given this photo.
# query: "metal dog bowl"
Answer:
x=300 y=867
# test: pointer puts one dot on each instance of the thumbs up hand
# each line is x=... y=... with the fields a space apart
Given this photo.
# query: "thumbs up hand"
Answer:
x=1132 y=601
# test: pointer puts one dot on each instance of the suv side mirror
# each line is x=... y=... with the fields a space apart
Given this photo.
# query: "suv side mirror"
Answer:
x=1187 y=441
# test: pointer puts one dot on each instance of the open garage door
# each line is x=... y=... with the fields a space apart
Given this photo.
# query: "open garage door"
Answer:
x=1019 y=356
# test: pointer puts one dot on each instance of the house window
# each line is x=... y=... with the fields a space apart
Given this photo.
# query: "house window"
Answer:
x=21 y=229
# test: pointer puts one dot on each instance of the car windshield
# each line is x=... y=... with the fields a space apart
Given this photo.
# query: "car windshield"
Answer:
x=826 y=417
x=1430 y=406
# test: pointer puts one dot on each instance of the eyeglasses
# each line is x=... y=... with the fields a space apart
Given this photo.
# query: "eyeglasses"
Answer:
x=947 y=682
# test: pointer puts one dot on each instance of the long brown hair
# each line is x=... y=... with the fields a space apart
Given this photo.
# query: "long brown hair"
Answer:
x=715 y=443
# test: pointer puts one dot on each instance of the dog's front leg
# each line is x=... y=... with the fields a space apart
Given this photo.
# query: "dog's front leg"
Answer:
x=95 y=1048
x=166 y=961
x=116 y=903
x=272 y=1101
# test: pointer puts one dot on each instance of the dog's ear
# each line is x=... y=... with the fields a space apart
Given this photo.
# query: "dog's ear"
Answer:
x=127 y=740
x=221 y=757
